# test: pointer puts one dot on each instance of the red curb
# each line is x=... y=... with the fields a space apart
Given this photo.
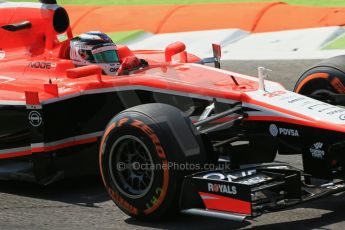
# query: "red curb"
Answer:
x=253 y=17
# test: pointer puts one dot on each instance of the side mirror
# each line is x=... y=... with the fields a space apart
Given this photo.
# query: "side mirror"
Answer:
x=217 y=54
x=173 y=49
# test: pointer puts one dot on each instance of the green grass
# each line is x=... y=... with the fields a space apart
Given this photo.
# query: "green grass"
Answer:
x=118 y=37
x=145 y=2
x=123 y=37
x=338 y=43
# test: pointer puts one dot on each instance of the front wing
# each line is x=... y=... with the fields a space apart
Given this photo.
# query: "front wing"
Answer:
x=249 y=192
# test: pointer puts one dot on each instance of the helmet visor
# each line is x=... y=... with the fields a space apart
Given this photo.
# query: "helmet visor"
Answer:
x=106 y=54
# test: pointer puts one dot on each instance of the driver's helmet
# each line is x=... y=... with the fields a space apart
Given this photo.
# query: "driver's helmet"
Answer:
x=95 y=47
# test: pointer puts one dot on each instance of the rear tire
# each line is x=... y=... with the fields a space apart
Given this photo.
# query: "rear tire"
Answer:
x=155 y=135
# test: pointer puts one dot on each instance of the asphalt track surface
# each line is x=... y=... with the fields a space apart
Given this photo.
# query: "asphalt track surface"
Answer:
x=82 y=203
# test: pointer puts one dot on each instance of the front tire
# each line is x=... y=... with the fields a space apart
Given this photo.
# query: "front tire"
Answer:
x=141 y=157
x=323 y=80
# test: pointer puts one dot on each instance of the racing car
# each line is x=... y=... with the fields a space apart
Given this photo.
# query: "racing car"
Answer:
x=171 y=134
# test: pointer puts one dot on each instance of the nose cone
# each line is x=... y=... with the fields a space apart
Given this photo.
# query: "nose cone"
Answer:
x=289 y=107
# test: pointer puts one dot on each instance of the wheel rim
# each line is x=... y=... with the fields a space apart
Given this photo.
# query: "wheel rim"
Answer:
x=131 y=167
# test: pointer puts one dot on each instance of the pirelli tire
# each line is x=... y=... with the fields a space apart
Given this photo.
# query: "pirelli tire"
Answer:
x=162 y=137
x=323 y=79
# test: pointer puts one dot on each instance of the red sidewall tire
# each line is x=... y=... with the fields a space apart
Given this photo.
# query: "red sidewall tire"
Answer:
x=327 y=75
x=162 y=198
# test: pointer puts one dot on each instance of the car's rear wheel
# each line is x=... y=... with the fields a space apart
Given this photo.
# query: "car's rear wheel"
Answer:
x=145 y=153
x=324 y=81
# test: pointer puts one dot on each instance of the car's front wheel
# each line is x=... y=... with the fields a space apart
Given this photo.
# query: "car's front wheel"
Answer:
x=145 y=153
x=324 y=81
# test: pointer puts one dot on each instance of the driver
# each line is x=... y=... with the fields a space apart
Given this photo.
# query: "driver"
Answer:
x=95 y=47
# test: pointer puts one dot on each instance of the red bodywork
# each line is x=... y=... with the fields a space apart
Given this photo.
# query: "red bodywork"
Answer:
x=33 y=60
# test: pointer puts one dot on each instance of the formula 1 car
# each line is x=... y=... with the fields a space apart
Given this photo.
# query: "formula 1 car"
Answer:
x=169 y=135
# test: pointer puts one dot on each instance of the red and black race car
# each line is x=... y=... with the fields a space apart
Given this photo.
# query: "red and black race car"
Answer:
x=170 y=134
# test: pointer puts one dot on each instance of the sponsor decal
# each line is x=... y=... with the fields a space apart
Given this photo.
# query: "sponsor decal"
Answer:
x=156 y=201
x=313 y=106
x=275 y=131
x=288 y=132
x=327 y=108
x=255 y=180
x=342 y=117
x=215 y=176
x=338 y=85
x=153 y=201
x=336 y=111
x=122 y=202
x=316 y=150
x=42 y=65
x=221 y=188
x=274 y=94
x=146 y=129
x=2 y=54
x=35 y=118
x=112 y=70
x=229 y=176
x=249 y=178
x=296 y=100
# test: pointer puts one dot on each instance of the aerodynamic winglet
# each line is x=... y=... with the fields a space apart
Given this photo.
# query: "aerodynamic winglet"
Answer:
x=17 y=26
